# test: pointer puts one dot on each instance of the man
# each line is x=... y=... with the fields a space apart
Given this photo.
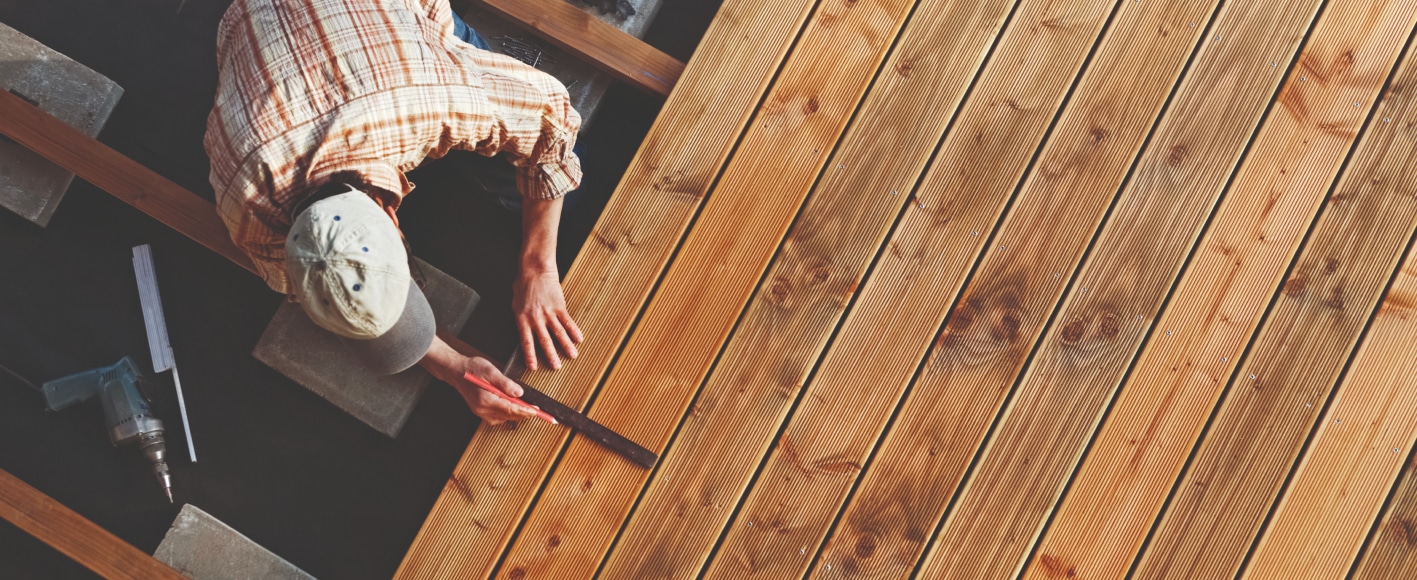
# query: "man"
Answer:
x=321 y=107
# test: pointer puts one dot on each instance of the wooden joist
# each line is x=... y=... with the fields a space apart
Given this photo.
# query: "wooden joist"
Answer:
x=1362 y=443
x=711 y=280
x=1240 y=465
x=73 y=535
x=806 y=291
x=120 y=176
x=839 y=420
x=608 y=48
x=493 y=484
x=1218 y=303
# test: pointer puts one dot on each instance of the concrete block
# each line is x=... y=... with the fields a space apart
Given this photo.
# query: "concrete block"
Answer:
x=584 y=82
x=201 y=547
x=314 y=358
x=30 y=185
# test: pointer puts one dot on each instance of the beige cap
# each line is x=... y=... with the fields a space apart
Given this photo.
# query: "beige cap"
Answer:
x=348 y=266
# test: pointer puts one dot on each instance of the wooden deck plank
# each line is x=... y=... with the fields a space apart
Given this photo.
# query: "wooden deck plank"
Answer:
x=1391 y=551
x=1362 y=443
x=495 y=480
x=839 y=420
x=1219 y=301
x=705 y=290
x=742 y=405
x=1242 y=461
x=608 y=48
x=1087 y=351
x=72 y=534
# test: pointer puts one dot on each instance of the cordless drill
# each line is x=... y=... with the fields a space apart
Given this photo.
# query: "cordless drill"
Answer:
x=125 y=410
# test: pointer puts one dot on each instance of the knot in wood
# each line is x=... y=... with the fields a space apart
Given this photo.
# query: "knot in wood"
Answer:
x=516 y=574
x=866 y=545
x=1097 y=135
x=1331 y=265
x=1295 y=286
x=1006 y=329
x=1335 y=299
x=553 y=542
x=778 y=292
x=1177 y=155
x=1109 y=326
x=1072 y=333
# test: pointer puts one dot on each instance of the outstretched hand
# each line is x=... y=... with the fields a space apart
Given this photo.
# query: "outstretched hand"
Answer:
x=542 y=319
x=449 y=366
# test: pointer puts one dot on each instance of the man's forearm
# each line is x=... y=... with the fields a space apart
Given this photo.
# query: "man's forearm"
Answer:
x=540 y=220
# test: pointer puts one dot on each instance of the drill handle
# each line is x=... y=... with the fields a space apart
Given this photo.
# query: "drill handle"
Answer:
x=65 y=392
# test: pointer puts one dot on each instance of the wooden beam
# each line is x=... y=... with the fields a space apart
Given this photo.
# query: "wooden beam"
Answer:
x=1221 y=299
x=1240 y=466
x=929 y=257
x=791 y=317
x=1362 y=443
x=120 y=176
x=73 y=535
x=610 y=281
x=608 y=48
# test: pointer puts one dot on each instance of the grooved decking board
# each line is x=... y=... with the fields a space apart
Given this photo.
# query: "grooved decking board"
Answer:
x=1240 y=465
x=608 y=48
x=74 y=536
x=1085 y=354
x=743 y=403
x=1391 y=552
x=707 y=287
x=1362 y=442
x=861 y=378
x=609 y=282
x=1218 y=303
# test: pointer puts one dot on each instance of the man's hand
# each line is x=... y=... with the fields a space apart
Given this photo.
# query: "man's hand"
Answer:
x=537 y=299
x=542 y=318
x=449 y=366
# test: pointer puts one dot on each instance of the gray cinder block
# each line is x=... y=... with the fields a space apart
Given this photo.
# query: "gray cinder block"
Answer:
x=201 y=547
x=311 y=356
x=30 y=185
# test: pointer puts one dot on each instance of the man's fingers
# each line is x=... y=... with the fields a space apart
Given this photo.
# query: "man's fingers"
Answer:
x=568 y=346
x=528 y=345
x=548 y=347
x=570 y=325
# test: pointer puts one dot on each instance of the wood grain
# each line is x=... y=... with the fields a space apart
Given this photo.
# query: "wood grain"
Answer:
x=607 y=48
x=1240 y=464
x=1362 y=442
x=74 y=536
x=1390 y=552
x=609 y=282
x=1086 y=352
x=1220 y=299
x=810 y=284
x=120 y=176
x=901 y=306
x=706 y=288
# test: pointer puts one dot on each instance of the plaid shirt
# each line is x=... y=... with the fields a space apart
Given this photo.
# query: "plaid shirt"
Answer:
x=311 y=88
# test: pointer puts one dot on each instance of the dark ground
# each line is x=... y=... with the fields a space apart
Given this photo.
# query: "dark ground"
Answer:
x=277 y=463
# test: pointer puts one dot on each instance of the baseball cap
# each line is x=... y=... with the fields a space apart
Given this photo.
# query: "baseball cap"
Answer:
x=348 y=267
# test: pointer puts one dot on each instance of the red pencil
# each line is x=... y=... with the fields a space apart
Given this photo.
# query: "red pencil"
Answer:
x=476 y=380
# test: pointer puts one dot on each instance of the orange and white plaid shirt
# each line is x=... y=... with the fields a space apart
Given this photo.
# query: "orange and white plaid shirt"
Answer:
x=311 y=88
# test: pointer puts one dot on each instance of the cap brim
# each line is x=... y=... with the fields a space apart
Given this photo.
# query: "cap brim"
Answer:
x=405 y=343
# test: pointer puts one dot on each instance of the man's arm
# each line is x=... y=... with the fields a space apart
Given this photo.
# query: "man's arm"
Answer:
x=449 y=365
x=537 y=299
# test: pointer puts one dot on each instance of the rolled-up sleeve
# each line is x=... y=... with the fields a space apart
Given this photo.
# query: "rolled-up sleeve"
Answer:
x=537 y=128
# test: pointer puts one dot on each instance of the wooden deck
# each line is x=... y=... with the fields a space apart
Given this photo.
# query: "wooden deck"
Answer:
x=990 y=289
